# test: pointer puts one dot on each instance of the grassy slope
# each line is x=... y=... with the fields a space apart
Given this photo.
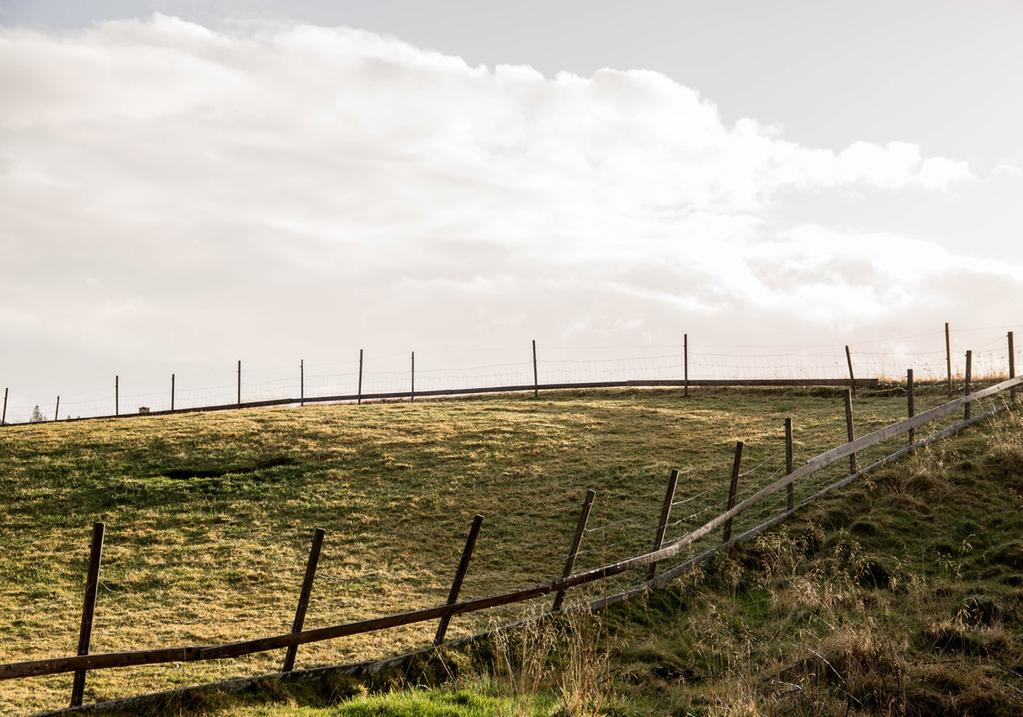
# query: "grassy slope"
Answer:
x=208 y=516
x=903 y=595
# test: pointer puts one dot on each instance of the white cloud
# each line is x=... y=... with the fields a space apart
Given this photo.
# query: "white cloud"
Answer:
x=232 y=188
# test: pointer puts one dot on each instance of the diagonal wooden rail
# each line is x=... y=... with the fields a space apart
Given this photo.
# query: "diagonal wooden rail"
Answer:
x=97 y=661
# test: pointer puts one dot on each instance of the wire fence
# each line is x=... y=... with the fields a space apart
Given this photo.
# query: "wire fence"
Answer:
x=934 y=357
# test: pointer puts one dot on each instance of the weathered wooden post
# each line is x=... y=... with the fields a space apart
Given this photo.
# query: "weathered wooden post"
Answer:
x=733 y=488
x=303 y=598
x=573 y=550
x=456 y=584
x=685 y=364
x=948 y=358
x=413 y=394
x=852 y=378
x=360 y=377
x=301 y=384
x=56 y=410
x=968 y=407
x=1012 y=366
x=853 y=468
x=239 y=382
x=662 y=525
x=88 y=609
x=172 y=393
x=3 y=416
x=536 y=380
x=910 y=408
x=790 y=488
x=117 y=395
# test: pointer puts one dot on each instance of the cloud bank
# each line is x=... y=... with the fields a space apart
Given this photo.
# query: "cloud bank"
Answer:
x=169 y=190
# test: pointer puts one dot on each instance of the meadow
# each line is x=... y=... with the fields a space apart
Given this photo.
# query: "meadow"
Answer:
x=209 y=516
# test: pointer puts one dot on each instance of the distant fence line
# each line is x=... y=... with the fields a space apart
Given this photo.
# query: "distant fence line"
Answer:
x=648 y=561
x=665 y=371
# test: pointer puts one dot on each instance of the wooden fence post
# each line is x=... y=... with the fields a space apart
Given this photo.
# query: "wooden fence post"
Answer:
x=1012 y=366
x=360 y=377
x=117 y=395
x=733 y=488
x=413 y=394
x=536 y=380
x=662 y=525
x=910 y=408
x=3 y=416
x=948 y=358
x=239 y=382
x=573 y=550
x=88 y=609
x=967 y=407
x=853 y=468
x=303 y=598
x=789 y=498
x=685 y=364
x=456 y=584
x=301 y=382
x=172 y=393
x=852 y=379
x=56 y=410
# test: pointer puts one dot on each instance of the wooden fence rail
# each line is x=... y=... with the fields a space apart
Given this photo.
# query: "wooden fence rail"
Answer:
x=290 y=641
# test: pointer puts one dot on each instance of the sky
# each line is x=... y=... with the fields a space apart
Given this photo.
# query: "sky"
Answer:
x=183 y=184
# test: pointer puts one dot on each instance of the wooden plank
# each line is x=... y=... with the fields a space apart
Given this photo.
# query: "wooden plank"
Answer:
x=456 y=584
x=849 y=428
x=733 y=488
x=910 y=407
x=966 y=386
x=56 y=410
x=948 y=358
x=88 y=609
x=303 y=598
x=685 y=363
x=1012 y=364
x=852 y=379
x=662 y=524
x=788 y=461
x=573 y=550
x=536 y=379
x=359 y=397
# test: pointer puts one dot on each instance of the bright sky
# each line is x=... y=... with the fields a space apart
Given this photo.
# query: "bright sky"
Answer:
x=186 y=183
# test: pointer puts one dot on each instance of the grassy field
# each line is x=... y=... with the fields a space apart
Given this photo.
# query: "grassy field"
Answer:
x=209 y=516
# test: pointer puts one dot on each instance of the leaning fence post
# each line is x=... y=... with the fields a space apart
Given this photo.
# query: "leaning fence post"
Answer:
x=853 y=468
x=303 y=598
x=56 y=410
x=788 y=463
x=685 y=364
x=412 y=397
x=1012 y=366
x=239 y=382
x=573 y=551
x=88 y=609
x=301 y=382
x=969 y=370
x=733 y=488
x=536 y=380
x=360 y=377
x=456 y=584
x=910 y=408
x=948 y=358
x=662 y=526
x=852 y=379
x=3 y=416
x=117 y=395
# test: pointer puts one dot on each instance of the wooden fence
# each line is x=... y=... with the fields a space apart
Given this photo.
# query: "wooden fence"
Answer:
x=648 y=562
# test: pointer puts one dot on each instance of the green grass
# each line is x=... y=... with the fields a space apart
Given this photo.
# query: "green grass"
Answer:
x=209 y=516
x=411 y=703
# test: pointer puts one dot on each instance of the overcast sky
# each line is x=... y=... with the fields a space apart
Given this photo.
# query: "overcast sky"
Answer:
x=186 y=183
